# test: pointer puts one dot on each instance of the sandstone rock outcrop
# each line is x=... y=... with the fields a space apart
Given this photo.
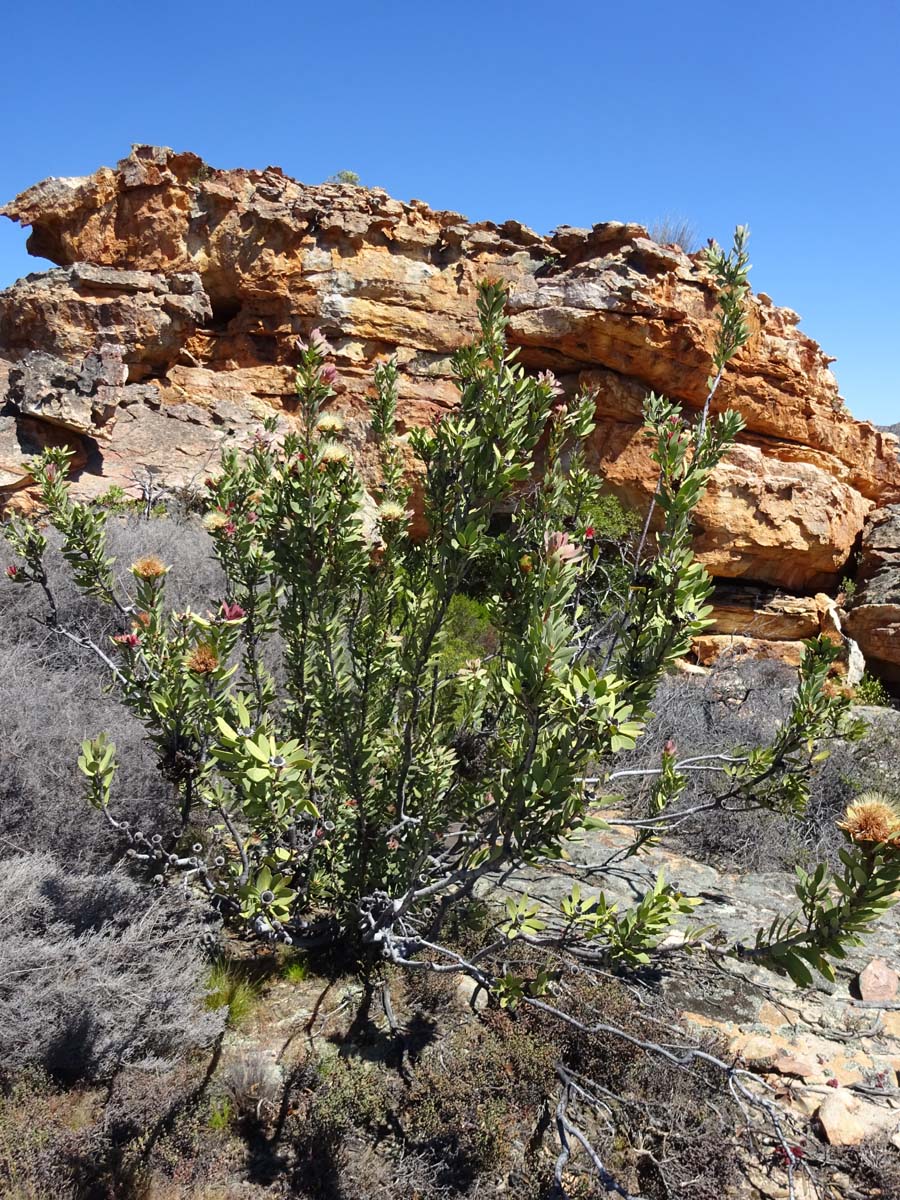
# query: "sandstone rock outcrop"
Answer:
x=205 y=279
x=874 y=617
x=763 y=623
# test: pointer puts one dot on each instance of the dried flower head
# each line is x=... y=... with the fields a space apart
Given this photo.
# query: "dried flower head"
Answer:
x=334 y=452
x=149 y=567
x=872 y=817
x=141 y=621
x=203 y=660
x=836 y=689
x=330 y=423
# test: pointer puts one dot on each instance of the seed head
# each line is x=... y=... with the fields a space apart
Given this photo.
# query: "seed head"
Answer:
x=215 y=520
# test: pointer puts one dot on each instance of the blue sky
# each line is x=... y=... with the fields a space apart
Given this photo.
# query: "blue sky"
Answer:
x=782 y=115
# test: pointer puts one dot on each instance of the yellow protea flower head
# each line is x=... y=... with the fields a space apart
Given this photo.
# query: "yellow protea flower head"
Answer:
x=391 y=512
x=334 y=452
x=872 y=817
x=330 y=423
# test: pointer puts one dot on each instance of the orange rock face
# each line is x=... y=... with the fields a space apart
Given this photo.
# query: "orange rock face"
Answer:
x=204 y=279
x=874 y=617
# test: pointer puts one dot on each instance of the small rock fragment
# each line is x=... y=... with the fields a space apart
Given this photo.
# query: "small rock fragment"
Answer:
x=471 y=995
x=802 y=1068
x=840 y=1123
x=878 y=981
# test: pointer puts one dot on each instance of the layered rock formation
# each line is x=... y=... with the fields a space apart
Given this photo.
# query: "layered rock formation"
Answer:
x=204 y=279
x=874 y=617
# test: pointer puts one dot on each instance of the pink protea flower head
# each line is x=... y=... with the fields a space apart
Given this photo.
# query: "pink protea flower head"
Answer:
x=549 y=381
x=232 y=612
x=51 y=471
x=128 y=641
x=318 y=343
x=669 y=747
x=328 y=373
x=12 y=572
x=560 y=547
x=589 y=533
x=229 y=529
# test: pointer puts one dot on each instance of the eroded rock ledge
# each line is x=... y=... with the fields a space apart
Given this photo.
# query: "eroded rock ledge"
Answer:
x=205 y=278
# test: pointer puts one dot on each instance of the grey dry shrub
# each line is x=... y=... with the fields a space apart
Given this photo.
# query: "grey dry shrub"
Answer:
x=92 y=978
x=54 y=694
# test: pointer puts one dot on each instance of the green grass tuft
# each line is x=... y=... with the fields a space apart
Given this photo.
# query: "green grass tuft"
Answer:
x=227 y=987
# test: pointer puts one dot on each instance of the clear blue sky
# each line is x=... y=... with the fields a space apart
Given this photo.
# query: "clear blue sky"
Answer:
x=780 y=115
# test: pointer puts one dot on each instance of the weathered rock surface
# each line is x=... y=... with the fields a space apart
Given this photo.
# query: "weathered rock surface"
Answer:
x=205 y=278
x=831 y=1060
x=763 y=623
x=874 y=617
